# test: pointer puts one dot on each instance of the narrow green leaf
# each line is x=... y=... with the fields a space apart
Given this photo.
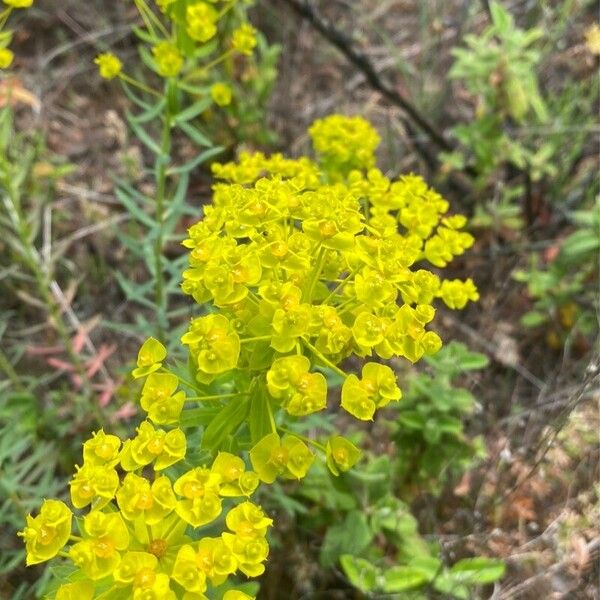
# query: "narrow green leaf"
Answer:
x=149 y=115
x=194 y=134
x=194 y=110
x=143 y=135
x=133 y=209
x=195 y=162
x=260 y=423
x=399 y=579
x=227 y=421
x=360 y=572
x=478 y=570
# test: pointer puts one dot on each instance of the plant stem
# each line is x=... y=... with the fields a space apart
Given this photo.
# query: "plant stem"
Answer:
x=324 y=360
x=304 y=438
x=160 y=173
x=216 y=396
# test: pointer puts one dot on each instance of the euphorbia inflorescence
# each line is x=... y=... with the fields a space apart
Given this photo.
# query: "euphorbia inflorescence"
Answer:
x=300 y=265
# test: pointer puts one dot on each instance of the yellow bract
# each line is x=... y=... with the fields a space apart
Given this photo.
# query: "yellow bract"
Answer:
x=19 y=3
x=109 y=65
x=46 y=534
x=221 y=94
x=6 y=58
x=244 y=39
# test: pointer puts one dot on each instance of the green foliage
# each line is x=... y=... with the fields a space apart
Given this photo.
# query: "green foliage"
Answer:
x=428 y=432
x=499 y=68
x=206 y=98
x=360 y=514
x=565 y=290
x=514 y=123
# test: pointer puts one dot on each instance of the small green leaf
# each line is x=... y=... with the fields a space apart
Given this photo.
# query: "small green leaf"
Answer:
x=196 y=417
x=353 y=535
x=478 y=570
x=193 y=111
x=227 y=421
x=360 y=572
x=533 y=318
x=195 y=134
x=260 y=422
x=399 y=579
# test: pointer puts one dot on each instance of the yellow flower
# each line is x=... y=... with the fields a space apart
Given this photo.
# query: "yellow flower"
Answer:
x=101 y=449
x=159 y=400
x=248 y=521
x=150 y=358
x=250 y=553
x=221 y=94
x=235 y=480
x=592 y=38
x=237 y=595
x=288 y=457
x=105 y=534
x=201 y=20
x=244 y=39
x=153 y=445
x=46 y=534
x=215 y=559
x=109 y=65
x=80 y=590
x=200 y=490
x=93 y=483
x=186 y=571
x=139 y=570
x=341 y=454
x=169 y=60
x=19 y=3
x=6 y=58
x=137 y=497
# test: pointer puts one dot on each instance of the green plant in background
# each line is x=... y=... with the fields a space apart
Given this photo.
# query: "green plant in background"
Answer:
x=364 y=505
x=565 y=290
x=202 y=80
x=514 y=123
x=26 y=184
x=302 y=264
x=499 y=68
x=429 y=430
x=38 y=406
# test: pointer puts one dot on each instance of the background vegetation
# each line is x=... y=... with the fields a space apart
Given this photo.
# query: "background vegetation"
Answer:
x=493 y=452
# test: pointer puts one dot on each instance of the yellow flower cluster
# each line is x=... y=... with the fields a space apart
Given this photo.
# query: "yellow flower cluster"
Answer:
x=344 y=144
x=142 y=537
x=301 y=267
x=176 y=38
x=312 y=266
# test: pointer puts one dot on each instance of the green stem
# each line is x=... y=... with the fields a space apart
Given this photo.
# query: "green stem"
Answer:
x=216 y=396
x=143 y=7
x=259 y=338
x=199 y=73
x=139 y=84
x=4 y=16
x=304 y=439
x=316 y=272
x=340 y=286
x=160 y=172
x=324 y=360
x=181 y=379
x=271 y=417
